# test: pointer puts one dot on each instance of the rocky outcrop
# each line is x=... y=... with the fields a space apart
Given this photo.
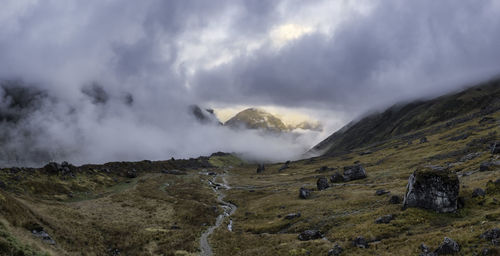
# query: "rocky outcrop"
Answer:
x=310 y=235
x=433 y=190
x=304 y=193
x=491 y=234
x=322 y=183
x=354 y=172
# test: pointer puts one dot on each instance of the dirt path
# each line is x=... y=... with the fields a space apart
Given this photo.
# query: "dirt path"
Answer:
x=228 y=210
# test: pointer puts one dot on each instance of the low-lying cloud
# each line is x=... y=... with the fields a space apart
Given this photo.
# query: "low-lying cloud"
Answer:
x=114 y=79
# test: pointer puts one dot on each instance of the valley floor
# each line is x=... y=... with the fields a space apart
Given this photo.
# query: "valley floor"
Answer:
x=106 y=210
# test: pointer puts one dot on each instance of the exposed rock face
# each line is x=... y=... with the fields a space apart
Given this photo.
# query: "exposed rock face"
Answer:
x=322 y=183
x=354 y=172
x=335 y=251
x=261 y=168
x=449 y=246
x=64 y=168
x=432 y=189
x=360 y=242
x=304 y=193
x=395 y=200
x=384 y=219
x=132 y=174
x=310 y=235
x=337 y=177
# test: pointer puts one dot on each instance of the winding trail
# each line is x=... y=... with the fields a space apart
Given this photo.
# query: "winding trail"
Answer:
x=228 y=210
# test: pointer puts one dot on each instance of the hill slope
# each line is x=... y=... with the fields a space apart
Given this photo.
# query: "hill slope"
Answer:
x=401 y=119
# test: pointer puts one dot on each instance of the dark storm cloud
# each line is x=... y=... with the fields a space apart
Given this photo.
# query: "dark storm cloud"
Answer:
x=400 y=50
x=153 y=59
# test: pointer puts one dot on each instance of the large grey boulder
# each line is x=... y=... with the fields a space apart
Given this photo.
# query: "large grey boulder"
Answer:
x=354 y=172
x=310 y=235
x=449 y=246
x=433 y=190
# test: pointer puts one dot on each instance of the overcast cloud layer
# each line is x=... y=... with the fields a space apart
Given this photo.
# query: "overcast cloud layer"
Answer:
x=337 y=59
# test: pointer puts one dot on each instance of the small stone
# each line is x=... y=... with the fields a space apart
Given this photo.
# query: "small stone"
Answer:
x=322 y=183
x=478 y=192
x=395 y=199
x=495 y=148
x=261 y=168
x=360 y=242
x=381 y=192
x=292 y=216
x=491 y=234
x=304 y=193
x=423 y=140
x=384 y=219
x=336 y=250
x=310 y=235
x=449 y=246
x=337 y=177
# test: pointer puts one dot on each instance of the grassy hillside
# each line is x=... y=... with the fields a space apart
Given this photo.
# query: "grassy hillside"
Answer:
x=403 y=119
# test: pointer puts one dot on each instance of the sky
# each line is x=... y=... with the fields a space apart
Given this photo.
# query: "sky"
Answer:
x=329 y=60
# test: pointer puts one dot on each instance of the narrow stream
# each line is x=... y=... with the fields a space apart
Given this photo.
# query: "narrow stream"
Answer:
x=228 y=210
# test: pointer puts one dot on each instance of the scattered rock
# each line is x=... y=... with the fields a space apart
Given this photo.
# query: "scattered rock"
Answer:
x=395 y=199
x=336 y=250
x=478 y=192
x=381 y=192
x=487 y=119
x=324 y=169
x=174 y=172
x=261 y=168
x=426 y=251
x=132 y=174
x=64 y=168
x=310 y=235
x=354 y=172
x=433 y=190
x=322 y=183
x=485 y=166
x=365 y=153
x=40 y=233
x=360 y=242
x=495 y=149
x=423 y=140
x=470 y=156
x=292 y=216
x=337 y=177
x=491 y=234
x=488 y=251
x=384 y=219
x=304 y=193
x=284 y=166
x=449 y=246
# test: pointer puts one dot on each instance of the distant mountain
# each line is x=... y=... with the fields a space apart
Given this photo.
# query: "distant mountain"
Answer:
x=404 y=119
x=253 y=118
x=204 y=116
x=306 y=125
